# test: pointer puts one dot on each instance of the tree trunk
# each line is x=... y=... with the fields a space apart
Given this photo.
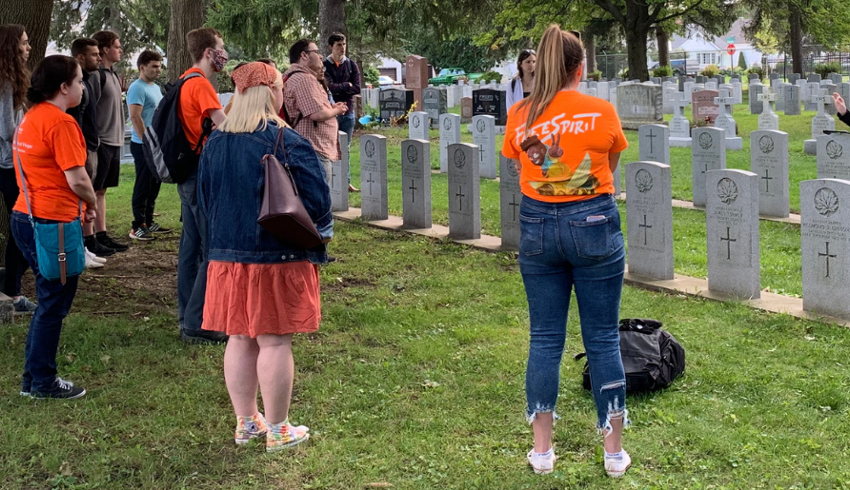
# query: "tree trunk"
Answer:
x=636 y=49
x=663 y=41
x=590 y=50
x=185 y=16
x=795 y=35
x=331 y=20
x=34 y=15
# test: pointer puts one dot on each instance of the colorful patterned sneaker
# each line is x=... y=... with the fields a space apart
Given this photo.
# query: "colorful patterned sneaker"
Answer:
x=544 y=463
x=616 y=464
x=142 y=233
x=157 y=228
x=248 y=428
x=283 y=435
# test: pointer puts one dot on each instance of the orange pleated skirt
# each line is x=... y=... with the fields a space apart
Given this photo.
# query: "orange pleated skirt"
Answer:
x=262 y=299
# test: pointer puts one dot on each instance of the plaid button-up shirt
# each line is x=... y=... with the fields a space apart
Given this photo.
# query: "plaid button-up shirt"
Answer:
x=304 y=95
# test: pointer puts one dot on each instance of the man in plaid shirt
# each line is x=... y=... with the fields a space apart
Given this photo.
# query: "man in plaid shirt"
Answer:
x=308 y=108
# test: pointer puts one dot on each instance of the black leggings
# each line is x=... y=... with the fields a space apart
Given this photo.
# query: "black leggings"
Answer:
x=16 y=264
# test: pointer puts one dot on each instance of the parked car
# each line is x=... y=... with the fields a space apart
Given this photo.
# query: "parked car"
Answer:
x=384 y=81
x=449 y=76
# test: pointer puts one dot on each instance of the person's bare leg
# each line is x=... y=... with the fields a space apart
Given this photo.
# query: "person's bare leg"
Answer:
x=240 y=374
x=100 y=221
x=275 y=371
x=542 y=426
x=613 y=442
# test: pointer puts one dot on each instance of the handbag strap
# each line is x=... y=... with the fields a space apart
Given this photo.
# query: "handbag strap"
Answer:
x=24 y=180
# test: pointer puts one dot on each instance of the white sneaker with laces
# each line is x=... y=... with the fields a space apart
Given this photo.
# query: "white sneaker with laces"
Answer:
x=94 y=257
x=618 y=465
x=91 y=263
x=543 y=464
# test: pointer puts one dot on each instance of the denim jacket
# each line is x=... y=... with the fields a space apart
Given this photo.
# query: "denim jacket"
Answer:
x=230 y=192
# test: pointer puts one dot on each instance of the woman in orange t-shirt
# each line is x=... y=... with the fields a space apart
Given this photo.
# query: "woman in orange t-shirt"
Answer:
x=567 y=146
x=50 y=148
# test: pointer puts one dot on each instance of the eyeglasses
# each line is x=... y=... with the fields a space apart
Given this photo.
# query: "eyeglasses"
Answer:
x=308 y=51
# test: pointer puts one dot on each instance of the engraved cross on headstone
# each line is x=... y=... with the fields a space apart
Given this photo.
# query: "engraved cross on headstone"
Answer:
x=414 y=189
x=370 y=181
x=728 y=241
x=513 y=204
x=767 y=178
x=828 y=256
x=333 y=176
x=481 y=153
x=651 y=136
x=645 y=227
x=460 y=195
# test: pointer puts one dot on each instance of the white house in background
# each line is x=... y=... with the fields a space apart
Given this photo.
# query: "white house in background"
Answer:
x=712 y=50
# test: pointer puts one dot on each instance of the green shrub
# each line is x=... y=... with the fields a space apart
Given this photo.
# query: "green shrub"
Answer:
x=490 y=76
x=742 y=62
x=662 y=71
x=824 y=69
x=757 y=70
x=710 y=71
x=595 y=75
x=371 y=75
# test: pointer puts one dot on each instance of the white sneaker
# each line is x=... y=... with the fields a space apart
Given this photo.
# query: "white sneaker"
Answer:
x=99 y=260
x=91 y=263
x=542 y=464
x=616 y=467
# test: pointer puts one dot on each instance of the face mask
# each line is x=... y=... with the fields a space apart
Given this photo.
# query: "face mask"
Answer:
x=219 y=59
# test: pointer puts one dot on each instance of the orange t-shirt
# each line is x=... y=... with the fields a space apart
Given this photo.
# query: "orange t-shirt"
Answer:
x=49 y=143
x=565 y=155
x=197 y=99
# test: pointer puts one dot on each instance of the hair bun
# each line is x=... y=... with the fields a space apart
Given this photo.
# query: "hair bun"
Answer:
x=34 y=96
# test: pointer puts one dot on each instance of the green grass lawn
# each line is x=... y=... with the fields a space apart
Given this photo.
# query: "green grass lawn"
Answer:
x=416 y=380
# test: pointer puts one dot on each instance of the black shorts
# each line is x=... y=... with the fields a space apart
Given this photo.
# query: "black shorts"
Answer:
x=108 y=167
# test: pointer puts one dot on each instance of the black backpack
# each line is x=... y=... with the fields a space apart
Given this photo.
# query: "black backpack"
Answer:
x=652 y=357
x=168 y=153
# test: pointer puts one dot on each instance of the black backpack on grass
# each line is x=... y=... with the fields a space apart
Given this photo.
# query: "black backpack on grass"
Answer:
x=652 y=357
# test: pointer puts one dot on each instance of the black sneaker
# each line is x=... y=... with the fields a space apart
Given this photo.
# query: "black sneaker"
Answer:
x=142 y=233
x=61 y=390
x=202 y=336
x=156 y=228
x=106 y=241
x=97 y=248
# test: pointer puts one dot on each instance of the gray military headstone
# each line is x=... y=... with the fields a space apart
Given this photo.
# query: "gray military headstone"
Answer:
x=602 y=90
x=484 y=137
x=649 y=217
x=712 y=85
x=671 y=93
x=618 y=181
x=680 y=127
x=612 y=94
x=339 y=176
x=833 y=156
x=654 y=144
x=769 y=160
x=582 y=87
x=416 y=183
x=732 y=233
x=701 y=78
x=708 y=152
x=373 y=177
x=727 y=122
x=434 y=102
x=449 y=135
x=825 y=237
x=688 y=89
x=844 y=91
x=792 y=78
x=639 y=104
x=509 y=200
x=755 y=106
x=820 y=123
x=812 y=91
x=779 y=103
x=450 y=98
x=417 y=127
x=768 y=119
x=827 y=88
x=836 y=78
x=814 y=78
x=737 y=92
x=774 y=76
x=791 y=94
x=464 y=192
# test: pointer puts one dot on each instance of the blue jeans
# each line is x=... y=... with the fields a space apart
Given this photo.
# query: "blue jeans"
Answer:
x=559 y=249
x=191 y=259
x=54 y=303
x=346 y=125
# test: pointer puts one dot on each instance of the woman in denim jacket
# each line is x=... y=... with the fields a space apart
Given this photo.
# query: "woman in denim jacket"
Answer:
x=259 y=291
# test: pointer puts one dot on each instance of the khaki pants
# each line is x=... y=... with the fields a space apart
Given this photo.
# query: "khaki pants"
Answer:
x=327 y=163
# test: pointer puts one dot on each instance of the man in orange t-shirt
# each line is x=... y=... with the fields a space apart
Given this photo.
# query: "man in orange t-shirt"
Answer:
x=198 y=102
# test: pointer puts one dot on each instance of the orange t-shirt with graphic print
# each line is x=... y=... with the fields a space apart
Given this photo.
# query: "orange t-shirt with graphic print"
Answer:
x=197 y=100
x=49 y=143
x=564 y=155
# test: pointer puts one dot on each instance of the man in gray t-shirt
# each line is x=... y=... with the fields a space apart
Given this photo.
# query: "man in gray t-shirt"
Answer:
x=110 y=129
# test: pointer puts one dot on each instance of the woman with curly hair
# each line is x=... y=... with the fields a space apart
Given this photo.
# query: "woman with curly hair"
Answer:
x=14 y=82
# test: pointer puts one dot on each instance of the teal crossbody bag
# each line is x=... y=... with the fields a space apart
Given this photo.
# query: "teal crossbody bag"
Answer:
x=59 y=246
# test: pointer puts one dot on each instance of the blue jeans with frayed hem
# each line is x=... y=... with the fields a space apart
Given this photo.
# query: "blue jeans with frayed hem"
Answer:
x=564 y=246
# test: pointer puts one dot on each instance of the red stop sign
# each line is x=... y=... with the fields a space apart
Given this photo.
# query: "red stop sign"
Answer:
x=730 y=49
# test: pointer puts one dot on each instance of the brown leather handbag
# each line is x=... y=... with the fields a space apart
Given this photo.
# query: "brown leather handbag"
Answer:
x=282 y=213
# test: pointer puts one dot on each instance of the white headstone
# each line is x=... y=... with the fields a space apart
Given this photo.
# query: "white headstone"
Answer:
x=725 y=121
x=416 y=183
x=732 y=233
x=339 y=176
x=769 y=160
x=510 y=198
x=449 y=135
x=464 y=192
x=680 y=126
x=417 y=127
x=484 y=137
x=708 y=152
x=373 y=177
x=820 y=123
x=737 y=92
x=768 y=119
x=833 y=156
x=654 y=144
x=649 y=217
